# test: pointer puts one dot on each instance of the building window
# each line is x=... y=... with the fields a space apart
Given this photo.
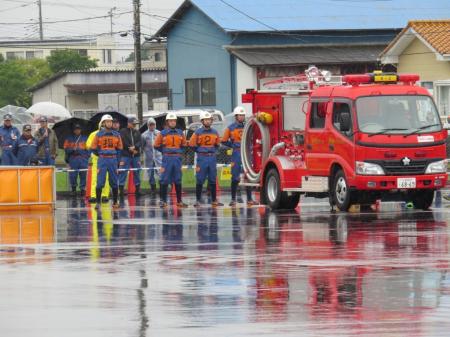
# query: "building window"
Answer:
x=158 y=57
x=12 y=55
x=82 y=52
x=107 y=56
x=428 y=85
x=200 y=91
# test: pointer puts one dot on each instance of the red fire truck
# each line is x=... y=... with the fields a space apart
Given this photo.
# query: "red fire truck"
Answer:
x=368 y=137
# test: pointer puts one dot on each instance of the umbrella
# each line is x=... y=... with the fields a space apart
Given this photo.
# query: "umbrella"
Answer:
x=161 y=124
x=53 y=111
x=123 y=120
x=64 y=128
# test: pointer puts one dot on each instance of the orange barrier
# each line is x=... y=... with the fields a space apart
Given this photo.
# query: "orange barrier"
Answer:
x=27 y=187
x=27 y=228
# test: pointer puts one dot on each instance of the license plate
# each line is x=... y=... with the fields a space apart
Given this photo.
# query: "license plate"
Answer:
x=406 y=182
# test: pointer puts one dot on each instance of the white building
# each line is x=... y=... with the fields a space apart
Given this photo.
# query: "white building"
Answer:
x=102 y=48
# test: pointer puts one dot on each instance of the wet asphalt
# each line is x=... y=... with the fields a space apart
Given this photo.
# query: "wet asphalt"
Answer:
x=143 y=271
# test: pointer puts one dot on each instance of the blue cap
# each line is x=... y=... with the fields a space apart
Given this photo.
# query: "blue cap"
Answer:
x=133 y=120
x=7 y=117
x=42 y=119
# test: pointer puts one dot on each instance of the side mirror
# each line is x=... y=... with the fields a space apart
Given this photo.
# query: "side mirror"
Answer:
x=345 y=122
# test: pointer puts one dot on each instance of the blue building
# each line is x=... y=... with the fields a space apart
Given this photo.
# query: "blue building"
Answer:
x=216 y=49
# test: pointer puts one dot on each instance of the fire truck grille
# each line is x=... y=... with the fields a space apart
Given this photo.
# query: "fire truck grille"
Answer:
x=398 y=168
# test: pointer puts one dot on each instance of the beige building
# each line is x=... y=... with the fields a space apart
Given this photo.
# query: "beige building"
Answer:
x=79 y=91
x=102 y=48
x=423 y=47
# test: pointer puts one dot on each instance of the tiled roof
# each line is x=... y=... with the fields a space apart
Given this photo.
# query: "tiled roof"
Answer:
x=435 y=32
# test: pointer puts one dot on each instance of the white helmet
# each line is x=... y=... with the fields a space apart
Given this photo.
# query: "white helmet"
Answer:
x=171 y=115
x=106 y=118
x=151 y=120
x=239 y=110
x=205 y=115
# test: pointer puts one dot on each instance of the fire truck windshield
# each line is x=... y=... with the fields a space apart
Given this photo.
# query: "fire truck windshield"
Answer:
x=404 y=115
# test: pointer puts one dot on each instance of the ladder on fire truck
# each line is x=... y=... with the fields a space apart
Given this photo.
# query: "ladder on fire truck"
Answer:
x=312 y=78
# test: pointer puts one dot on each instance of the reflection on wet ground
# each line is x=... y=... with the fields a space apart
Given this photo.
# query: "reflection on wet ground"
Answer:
x=142 y=271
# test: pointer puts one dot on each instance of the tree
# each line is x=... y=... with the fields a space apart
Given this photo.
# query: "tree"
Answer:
x=16 y=76
x=69 y=60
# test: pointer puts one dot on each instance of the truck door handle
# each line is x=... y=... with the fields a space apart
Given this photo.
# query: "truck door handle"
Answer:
x=331 y=147
x=309 y=147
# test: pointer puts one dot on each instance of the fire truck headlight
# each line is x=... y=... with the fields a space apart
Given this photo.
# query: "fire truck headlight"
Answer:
x=368 y=169
x=437 y=167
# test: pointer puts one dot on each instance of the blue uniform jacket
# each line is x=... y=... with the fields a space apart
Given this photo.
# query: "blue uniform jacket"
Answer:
x=27 y=150
x=9 y=137
x=75 y=146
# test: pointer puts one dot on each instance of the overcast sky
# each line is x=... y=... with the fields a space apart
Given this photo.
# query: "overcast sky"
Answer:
x=24 y=15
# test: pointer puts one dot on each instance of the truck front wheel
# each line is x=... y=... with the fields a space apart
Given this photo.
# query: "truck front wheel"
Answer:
x=341 y=191
x=272 y=189
x=273 y=195
x=422 y=199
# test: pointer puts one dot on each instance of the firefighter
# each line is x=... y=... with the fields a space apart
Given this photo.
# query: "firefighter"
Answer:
x=94 y=170
x=48 y=143
x=9 y=136
x=78 y=158
x=107 y=145
x=27 y=147
x=232 y=138
x=152 y=157
x=205 y=142
x=130 y=158
x=171 y=142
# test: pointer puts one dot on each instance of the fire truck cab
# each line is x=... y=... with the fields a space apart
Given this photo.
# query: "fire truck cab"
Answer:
x=372 y=136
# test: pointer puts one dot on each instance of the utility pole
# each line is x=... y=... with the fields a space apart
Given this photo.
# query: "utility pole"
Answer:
x=137 y=59
x=110 y=13
x=41 y=31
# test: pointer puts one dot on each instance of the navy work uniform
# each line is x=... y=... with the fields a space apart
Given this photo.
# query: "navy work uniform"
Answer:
x=205 y=142
x=131 y=139
x=27 y=147
x=107 y=145
x=171 y=142
x=9 y=136
x=78 y=159
x=232 y=138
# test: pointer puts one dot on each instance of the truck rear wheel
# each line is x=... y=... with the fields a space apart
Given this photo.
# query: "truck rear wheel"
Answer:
x=341 y=191
x=422 y=199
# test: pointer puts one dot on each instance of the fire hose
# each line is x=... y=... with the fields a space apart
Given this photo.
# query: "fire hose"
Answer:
x=247 y=147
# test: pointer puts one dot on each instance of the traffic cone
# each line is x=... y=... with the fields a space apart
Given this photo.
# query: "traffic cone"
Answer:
x=131 y=186
x=88 y=181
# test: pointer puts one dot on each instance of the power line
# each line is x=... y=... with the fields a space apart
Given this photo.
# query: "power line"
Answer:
x=68 y=20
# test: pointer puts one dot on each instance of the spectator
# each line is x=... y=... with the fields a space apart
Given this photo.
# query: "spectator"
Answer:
x=9 y=136
x=47 y=142
x=130 y=158
x=153 y=158
x=27 y=147
x=77 y=158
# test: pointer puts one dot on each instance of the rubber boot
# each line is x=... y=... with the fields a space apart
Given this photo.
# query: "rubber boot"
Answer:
x=98 y=193
x=178 y=192
x=234 y=186
x=137 y=191
x=74 y=191
x=198 y=195
x=115 y=194
x=153 y=189
x=121 y=192
x=163 y=193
